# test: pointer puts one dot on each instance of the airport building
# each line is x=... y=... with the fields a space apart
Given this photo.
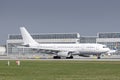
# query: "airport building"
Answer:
x=112 y=40
x=88 y=39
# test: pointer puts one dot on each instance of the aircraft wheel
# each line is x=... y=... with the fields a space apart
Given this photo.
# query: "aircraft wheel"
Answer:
x=56 y=57
x=71 y=57
x=98 y=57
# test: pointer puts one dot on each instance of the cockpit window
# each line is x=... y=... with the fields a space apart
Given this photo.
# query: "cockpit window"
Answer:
x=104 y=46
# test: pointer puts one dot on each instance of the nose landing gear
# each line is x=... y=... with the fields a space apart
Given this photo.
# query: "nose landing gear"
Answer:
x=98 y=56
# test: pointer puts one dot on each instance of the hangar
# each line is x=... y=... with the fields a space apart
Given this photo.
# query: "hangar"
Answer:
x=112 y=40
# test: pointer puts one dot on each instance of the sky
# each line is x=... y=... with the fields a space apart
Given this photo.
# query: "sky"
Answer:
x=87 y=17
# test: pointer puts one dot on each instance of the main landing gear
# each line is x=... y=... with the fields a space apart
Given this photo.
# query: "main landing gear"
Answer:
x=58 y=57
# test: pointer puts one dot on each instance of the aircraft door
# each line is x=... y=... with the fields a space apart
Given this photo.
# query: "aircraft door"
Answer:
x=97 y=48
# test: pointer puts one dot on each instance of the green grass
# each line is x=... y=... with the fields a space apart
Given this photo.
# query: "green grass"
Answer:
x=60 y=70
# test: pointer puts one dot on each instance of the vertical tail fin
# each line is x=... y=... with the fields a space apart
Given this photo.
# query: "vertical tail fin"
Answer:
x=27 y=38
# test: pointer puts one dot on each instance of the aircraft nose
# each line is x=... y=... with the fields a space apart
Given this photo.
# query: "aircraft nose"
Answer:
x=108 y=49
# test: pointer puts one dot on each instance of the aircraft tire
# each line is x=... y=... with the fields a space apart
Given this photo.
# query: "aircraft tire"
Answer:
x=71 y=57
x=98 y=57
x=56 y=57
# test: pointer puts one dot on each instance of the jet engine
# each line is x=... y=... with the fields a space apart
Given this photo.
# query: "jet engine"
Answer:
x=64 y=54
x=68 y=55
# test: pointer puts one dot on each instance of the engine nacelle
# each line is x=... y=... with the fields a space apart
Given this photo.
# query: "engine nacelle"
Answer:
x=64 y=54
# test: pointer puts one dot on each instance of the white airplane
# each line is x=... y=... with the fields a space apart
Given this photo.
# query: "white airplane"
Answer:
x=64 y=50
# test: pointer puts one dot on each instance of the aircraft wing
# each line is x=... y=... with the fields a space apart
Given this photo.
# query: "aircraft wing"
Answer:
x=44 y=50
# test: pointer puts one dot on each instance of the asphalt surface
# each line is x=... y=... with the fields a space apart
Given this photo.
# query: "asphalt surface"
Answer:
x=105 y=58
x=68 y=59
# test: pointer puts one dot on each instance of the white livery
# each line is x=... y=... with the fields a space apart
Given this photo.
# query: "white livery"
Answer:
x=64 y=50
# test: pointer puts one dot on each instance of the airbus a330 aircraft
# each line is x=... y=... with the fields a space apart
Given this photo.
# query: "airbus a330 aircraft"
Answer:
x=64 y=50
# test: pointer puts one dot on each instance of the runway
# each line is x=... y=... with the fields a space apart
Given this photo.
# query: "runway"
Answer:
x=78 y=59
x=110 y=58
x=68 y=59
